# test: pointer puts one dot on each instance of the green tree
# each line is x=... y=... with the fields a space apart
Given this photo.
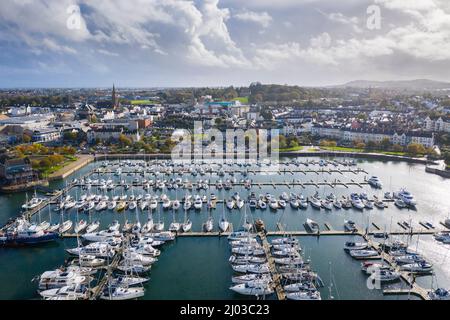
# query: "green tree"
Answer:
x=26 y=138
x=416 y=149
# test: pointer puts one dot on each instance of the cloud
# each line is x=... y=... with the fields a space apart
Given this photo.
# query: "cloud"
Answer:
x=342 y=19
x=268 y=39
x=261 y=18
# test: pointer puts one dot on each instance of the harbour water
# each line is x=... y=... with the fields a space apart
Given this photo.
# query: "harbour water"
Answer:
x=198 y=268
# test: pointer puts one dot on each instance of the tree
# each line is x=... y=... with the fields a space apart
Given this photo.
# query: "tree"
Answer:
x=371 y=145
x=282 y=142
x=45 y=163
x=397 y=148
x=360 y=145
x=385 y=143
x=124 y=140
x=26 y=138
x=416 y=149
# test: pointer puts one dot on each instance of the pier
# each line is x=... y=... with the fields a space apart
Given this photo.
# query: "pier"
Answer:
x=276 y=277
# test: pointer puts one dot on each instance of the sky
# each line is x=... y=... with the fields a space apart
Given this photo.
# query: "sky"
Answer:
x=177 y=43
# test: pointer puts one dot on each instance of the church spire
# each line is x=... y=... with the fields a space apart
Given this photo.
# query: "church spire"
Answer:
x=114 y=103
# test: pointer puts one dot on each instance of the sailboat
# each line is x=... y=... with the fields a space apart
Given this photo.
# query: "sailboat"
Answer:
x=209 y=224
x=187 y=225
x=246 y=225
x=224 y=225
x=159 y=226
x=174 y=226
x=148 y=226
x=53 y=227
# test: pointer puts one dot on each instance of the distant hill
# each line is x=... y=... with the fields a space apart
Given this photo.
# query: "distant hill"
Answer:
x=418 y=84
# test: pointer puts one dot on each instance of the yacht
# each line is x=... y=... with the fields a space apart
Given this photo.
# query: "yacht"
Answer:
x=252 y=268
x=230 y=204
x=71 y=292
x=198 y=203
x=375 y=182
x=420 y=267
x=114 y=226
x=304 y=295
x=132 y=205
x=176 y=205
x=399 y=203
x=350 y=226
x=356 y=201
x=80 y=226
x=209 y=224
x=315 y=202
x=122 y=293
x=251 y=277
x=359 y=254
x=273 y=204
x=58 y=279
x=92 y=227
x=175 y=226
x=224 y=225
x=253 y=288
x=281 y=204
x=187 y=226
x=112 y=205
x=33 y=203
x=406 y=196
x=439 y=294
x=350 y=245
x=261 y=204
x=326 y=204
x=65 y=226
x=312 y=225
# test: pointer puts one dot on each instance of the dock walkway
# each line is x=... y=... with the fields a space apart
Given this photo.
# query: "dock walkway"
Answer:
x=276 y=277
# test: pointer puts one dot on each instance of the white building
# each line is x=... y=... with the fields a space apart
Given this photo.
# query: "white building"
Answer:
x=437 y=125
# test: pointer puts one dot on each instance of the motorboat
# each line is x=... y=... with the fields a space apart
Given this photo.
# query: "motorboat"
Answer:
x=406 y=196
x=350 y=226
x=33 y=203
x=439 y=294
x=247 y=260
x=312 y=225
x=315 y=202
x=420 y=267
x=261 y=204
x=230 y=204
x=350 y=245
x=121 y=206
x=58 y=279
x=273 y=204
x=175 y=226
x=400 y=203
x=356 y=201
x=375 y=182
x=91 y=261
x=238 y=235
x=71 y=292
x=281 y=204
x=337 y=204
x=360 y=254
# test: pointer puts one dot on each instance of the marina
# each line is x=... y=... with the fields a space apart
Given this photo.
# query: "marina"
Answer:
x=162 y=192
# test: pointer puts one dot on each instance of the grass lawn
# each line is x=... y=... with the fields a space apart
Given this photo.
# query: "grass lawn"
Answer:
x=298 y=148
x=143 y=102
x=348 y=149
x=50 y=170
x=243 y=100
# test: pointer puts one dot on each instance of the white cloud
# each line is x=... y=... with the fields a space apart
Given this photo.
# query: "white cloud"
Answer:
x=262 y=18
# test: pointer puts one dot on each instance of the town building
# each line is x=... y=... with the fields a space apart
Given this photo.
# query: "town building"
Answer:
x=16 y=171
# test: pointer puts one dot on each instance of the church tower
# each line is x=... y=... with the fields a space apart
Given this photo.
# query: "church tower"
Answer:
x=114 y=101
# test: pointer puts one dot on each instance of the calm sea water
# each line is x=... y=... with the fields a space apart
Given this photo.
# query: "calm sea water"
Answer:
x=198 y=268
